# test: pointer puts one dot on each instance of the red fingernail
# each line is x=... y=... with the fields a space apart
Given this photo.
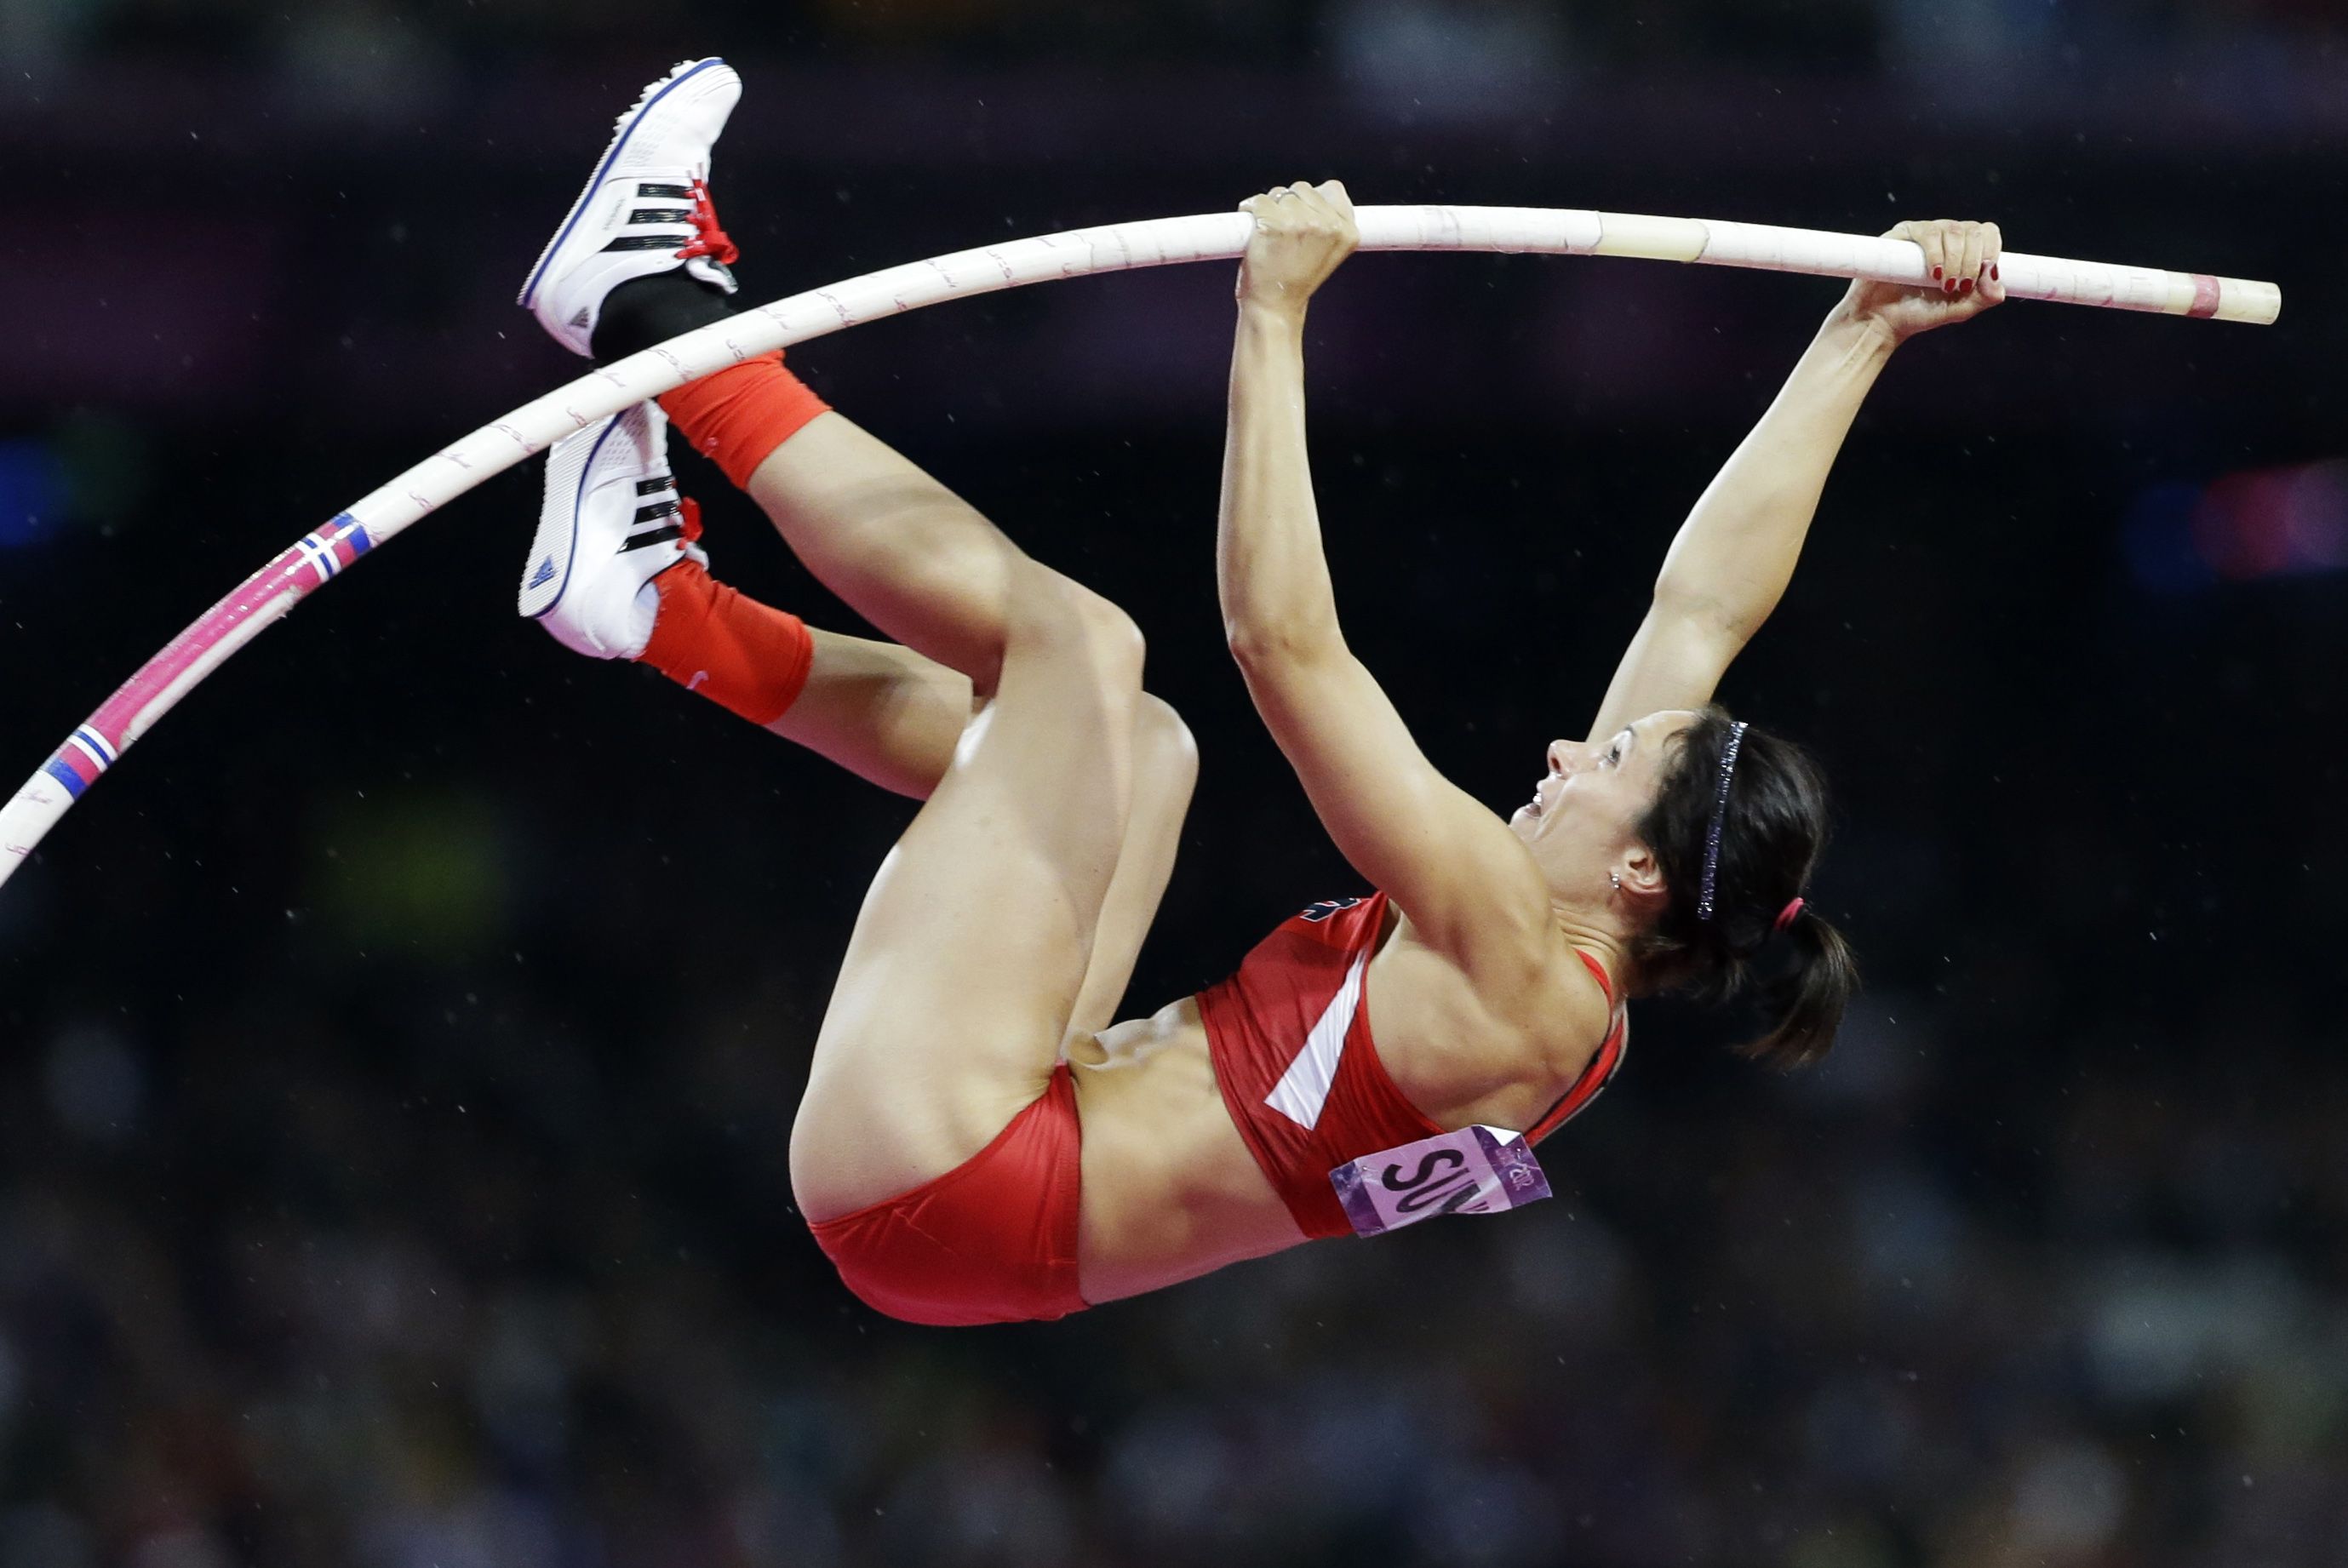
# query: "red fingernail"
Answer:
x=1992 y=271
x=1950 y=285
x=1967 y=288
x=1936 y=274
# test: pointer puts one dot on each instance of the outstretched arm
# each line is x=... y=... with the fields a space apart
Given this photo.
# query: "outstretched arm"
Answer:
x=1466 y=884
x=1735 y=553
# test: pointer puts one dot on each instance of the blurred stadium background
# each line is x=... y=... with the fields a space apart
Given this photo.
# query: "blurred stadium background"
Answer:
x=400 y=1050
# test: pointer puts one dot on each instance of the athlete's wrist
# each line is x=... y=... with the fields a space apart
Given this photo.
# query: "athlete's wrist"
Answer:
x=1278 y=313
x=1863 y=331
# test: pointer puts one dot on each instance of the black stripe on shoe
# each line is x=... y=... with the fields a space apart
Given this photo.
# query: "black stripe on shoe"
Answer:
x=654 y=486
x=649 y=191
x=648 y=242
x=657 y=536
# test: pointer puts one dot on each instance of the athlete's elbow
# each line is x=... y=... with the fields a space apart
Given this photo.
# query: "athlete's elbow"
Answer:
x=1715 y=618
x=1283 y=643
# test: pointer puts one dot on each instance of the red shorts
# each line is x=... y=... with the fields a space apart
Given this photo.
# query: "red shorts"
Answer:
x=992 y=1241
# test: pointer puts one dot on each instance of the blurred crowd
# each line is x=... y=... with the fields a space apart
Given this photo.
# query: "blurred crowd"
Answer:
x=282 y=1312
x=1441 y=34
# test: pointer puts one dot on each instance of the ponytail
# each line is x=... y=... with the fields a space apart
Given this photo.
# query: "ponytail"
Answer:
x=1737 y=826
x=1806 y=999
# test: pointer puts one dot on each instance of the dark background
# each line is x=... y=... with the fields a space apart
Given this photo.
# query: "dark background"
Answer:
x=400 y=1050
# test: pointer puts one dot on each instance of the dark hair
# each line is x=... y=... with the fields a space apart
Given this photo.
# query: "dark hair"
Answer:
x=1772 y=832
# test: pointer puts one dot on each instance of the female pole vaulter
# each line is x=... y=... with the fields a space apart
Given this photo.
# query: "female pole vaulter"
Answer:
x=980 y=1142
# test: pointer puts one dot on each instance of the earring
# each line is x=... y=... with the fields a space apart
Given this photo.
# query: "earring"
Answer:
x=1616 y=878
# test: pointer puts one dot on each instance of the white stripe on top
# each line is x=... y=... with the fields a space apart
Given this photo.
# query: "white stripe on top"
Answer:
x=1304 y=1088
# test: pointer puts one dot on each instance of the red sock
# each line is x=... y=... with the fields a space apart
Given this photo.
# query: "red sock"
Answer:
x=742 y=413
x=740 y=653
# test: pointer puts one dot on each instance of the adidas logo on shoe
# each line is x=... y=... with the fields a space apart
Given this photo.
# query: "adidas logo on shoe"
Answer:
x=610 y=522
x=645 y=209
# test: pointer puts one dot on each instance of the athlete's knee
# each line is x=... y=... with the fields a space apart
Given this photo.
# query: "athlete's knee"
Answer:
x=1058 y=618
x=1116 y=641
x=1164 y=747
x=1100 y=625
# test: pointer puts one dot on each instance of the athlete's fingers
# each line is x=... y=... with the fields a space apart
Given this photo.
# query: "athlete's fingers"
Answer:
x=1336 y=211
x=1953 y=257
x=1310 y=210
x=1993 y=282
x=1276 y=210
x=1964 y=251
x=1928 y=239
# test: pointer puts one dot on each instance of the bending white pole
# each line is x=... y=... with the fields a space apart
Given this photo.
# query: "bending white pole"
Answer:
x=315 y=558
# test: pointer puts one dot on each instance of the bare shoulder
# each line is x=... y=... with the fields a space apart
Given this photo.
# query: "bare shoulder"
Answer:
x=1581 y=1014
x=1497 y=1046
x=1504 y=940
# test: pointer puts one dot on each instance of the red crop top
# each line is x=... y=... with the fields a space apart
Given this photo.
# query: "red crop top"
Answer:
x=1290 y=1036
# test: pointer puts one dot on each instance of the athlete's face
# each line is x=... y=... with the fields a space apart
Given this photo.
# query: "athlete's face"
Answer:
x=1584 y=814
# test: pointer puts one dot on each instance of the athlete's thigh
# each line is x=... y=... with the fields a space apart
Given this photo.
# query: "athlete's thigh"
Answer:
x=1165 y=768
x=973 y=944
x=892 y=717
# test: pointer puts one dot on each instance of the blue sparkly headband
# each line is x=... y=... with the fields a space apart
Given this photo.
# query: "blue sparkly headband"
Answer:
x=1719 y=819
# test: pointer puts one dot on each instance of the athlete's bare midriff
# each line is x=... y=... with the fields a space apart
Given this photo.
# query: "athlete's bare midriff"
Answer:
x=1171 y=1190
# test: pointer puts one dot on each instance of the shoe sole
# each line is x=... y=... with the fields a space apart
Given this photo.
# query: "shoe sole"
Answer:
x=610 y=155
x=566 y=521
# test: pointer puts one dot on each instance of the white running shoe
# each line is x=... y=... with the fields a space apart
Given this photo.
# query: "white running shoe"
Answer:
x=645 y=207
x=612 y=521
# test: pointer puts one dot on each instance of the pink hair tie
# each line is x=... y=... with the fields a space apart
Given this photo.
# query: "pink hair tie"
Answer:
x=1785 y=915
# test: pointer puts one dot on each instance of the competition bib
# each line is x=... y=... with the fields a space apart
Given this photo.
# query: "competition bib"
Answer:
x=1475 y=1171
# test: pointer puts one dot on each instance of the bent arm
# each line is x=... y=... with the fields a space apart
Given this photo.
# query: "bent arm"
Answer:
x=1733 y=557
